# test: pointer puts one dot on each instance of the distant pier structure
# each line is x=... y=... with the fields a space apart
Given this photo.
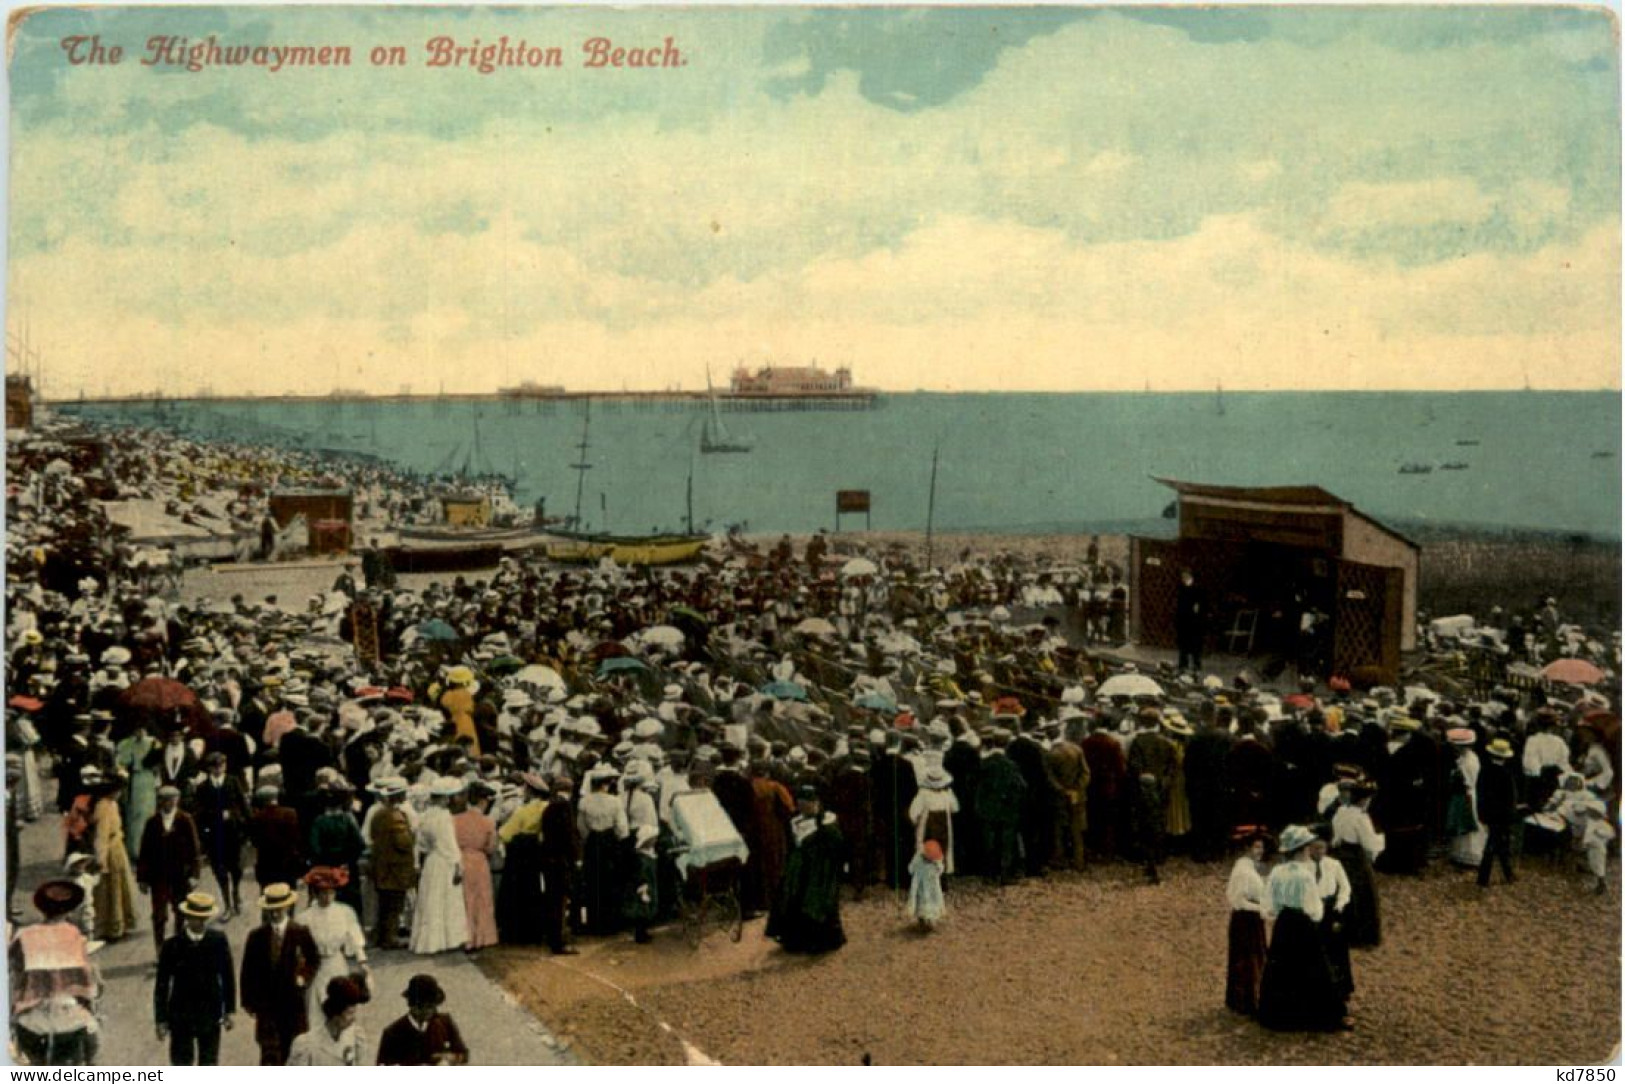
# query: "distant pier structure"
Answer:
x=767 y=390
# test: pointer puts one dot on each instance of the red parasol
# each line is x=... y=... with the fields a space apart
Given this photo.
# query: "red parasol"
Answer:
x=159 y=694
x=25 y=703
x=399 y=694
x=1573 y=672
x=610 y=649
x=1298 y=700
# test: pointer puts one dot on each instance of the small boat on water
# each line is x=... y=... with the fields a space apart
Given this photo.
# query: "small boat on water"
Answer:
x=1467 y=443
x=1416 y=468
x=1457 y=465
x=714 y=437
x=1602 y=455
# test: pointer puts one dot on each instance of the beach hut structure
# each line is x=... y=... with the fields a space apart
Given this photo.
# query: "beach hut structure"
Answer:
x=19 y=401
x=466 y=509
x=1264 y=556
x=328 y=515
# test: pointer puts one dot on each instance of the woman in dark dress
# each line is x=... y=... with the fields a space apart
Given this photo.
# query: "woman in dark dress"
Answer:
x=1298 y=991
x=1248 y=946
x=519 y=891
x=806 y=917
x=1356 y=843
x=335 y=840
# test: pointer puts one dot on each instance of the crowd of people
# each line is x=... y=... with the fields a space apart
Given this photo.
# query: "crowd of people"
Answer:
x=498 y=762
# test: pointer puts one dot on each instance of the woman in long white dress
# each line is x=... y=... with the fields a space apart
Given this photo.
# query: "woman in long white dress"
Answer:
x=336 y=930
x=440 y=918
x=932 y=812
x=1467 y=834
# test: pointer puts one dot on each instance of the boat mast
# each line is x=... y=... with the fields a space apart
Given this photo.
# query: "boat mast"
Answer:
x=582 y=466
x=931 y=505
x=691 y=491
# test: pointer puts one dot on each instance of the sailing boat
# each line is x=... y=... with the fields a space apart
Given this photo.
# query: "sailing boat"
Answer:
x=714 y=437
x=578 y=546
x=1218 y=399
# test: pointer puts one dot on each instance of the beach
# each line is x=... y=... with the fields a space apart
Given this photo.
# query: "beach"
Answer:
x=1100 y=968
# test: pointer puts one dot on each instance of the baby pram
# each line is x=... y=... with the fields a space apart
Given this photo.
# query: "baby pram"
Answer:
x=710 y=857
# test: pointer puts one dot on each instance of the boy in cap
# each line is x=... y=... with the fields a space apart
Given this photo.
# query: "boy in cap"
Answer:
x=425 y=1035
x=167 y=865
x=220 y=811
x=196 y=991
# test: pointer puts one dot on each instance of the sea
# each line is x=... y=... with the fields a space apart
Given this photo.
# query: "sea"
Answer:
x=1003 y=463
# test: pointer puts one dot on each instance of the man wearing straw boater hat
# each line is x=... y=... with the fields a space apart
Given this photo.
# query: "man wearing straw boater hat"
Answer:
x=196 y=991
x=1497 y=809
x=280 y=959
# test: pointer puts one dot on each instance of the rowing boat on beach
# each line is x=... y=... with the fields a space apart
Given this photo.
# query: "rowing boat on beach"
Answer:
x=580 y=548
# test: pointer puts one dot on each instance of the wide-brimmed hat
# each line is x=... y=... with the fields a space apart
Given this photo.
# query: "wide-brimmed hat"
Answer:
x=446 y=787
x=389 y=786
x=199 y=905
x=1245 y=834
x=534 y=782
x=1403 y=722
x=278 y=897
x=333 y=877
x=1175 y=723
x=55 y=898
x=1295 y=838
x=1460 y=735
x=1500 y=748
x=423 y=990
x=459 y=675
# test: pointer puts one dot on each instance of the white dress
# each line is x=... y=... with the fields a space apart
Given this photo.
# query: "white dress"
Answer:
x=342 y=945
x=318 y=1047
x=1468 y=849
x=439 y=921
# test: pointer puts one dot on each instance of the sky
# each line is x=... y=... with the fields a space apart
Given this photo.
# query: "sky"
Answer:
x=1044 y=199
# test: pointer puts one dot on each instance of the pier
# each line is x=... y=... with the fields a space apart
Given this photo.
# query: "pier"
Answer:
x=515 y=401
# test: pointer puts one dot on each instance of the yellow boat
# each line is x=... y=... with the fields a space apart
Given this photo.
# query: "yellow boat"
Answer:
x=626 y=550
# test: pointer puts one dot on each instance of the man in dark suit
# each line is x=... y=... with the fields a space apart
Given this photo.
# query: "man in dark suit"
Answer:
x=1000 y=790
x=425 y=1035
x=1206 y=756
x=1152 y=762
x=559 y=852
x=1498 y=808
x=174 y=762
x=1026 y=752
x=1190 y=622
x=279 y=960
x=302 y=755
x=277 y=839
x=393 y=852
x=167 y=863
x=1068 y=773
x=196 y=992
x=1108 y=772
x=221 y=813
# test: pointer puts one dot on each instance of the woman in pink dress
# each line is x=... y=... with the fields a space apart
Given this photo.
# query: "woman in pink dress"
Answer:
x=477 y=840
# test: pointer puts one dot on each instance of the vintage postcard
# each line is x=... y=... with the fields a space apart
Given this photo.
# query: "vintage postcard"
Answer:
x=813 y=535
